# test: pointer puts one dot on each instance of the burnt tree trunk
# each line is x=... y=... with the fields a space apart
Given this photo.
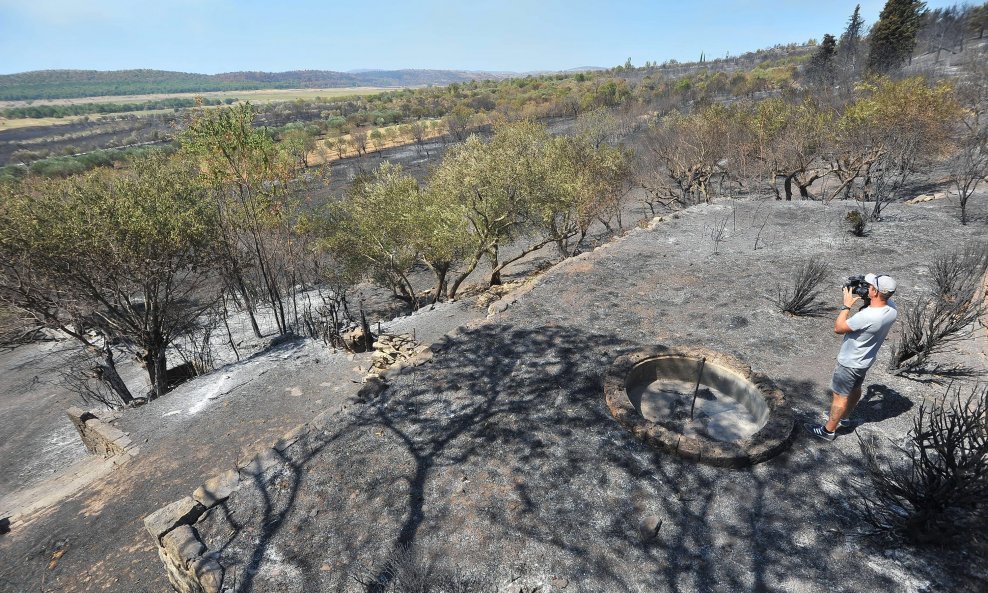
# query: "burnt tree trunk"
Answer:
x=154 y=362
x=495 y=279
x=788 y=186
x=107 y=373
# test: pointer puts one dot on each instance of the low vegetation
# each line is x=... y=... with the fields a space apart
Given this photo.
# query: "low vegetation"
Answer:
x=799 y=297
x=938 y=495
x=798 y=122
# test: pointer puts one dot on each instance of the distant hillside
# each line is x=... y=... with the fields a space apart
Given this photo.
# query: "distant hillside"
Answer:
x=65 y=84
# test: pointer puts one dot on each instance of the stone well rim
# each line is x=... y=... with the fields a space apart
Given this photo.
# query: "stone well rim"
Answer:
x=770 y=440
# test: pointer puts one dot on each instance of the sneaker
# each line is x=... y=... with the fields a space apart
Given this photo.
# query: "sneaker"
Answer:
x=820 y=431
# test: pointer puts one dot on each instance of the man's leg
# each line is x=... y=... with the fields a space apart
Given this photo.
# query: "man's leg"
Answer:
x=852 y=402
x=838 y=408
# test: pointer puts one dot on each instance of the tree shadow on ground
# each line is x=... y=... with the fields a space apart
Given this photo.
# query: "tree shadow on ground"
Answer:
x=501 y=451
x=804 y=394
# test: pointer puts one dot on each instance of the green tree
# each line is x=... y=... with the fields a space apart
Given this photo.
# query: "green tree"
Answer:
x=298 y=142
x=505 y=188
x=821 y=69
x=593 y=176
x=893 y=37
x=598 y=125
x=849 y=48
x=254 y=181
x=372 y=231
x=386 y=225
x=130 y=253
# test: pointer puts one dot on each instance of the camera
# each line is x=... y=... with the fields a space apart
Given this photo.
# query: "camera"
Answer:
x=859 y=287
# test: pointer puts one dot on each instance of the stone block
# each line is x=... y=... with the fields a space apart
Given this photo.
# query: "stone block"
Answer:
x=185 y=511
x=648 y=527
x=107 y=433
x=209 y=573
x=183 y=545
x=689 y=449
x=217 y=489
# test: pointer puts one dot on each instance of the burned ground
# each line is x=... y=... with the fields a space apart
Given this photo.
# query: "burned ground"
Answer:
x=498 y=456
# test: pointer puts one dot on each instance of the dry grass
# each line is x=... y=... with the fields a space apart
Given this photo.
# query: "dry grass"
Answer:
x=29 y=122
x=324 y=153
x=257 y=96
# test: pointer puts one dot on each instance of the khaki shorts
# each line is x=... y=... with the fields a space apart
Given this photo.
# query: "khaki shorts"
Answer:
x=846 y=379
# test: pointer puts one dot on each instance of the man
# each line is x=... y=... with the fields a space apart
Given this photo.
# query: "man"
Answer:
x=863 y=334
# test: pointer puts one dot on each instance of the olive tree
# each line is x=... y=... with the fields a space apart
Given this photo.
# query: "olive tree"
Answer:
x=129 y=253
x=499 y=186
x=686 y=152
x=788 y=140
x=889 y=131
x=370 y=231
x=254 y=182
x=524 y=186
x=596 y=186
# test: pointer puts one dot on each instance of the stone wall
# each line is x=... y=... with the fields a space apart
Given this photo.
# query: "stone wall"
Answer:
x=99 y=437
x=190 y=565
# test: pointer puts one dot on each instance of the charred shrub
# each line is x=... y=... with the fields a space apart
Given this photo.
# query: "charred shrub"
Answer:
x=799 y=297
x=406 y=571
x=939 y=495
x=856 y=223
x=934 y=322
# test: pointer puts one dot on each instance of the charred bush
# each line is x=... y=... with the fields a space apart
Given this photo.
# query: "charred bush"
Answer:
x=939 y=495
x=800 y=296
x=404 y=571
x=856 y=222
x=934 y=322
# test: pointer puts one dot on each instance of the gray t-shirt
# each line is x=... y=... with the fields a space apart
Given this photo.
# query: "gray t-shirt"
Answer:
x=870 y=326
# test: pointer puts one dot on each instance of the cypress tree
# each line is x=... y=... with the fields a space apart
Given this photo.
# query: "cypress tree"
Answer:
x=893 y=37
x=849 y=46
x=821 y=67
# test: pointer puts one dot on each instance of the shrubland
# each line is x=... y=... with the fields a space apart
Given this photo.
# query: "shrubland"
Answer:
x=793 y=123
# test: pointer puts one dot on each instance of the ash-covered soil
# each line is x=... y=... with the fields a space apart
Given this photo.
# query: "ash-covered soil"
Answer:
x=95 y=540
x=498 y=459
x=499 y=456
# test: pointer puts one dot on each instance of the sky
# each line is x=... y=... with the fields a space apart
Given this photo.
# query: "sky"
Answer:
x=212 y=36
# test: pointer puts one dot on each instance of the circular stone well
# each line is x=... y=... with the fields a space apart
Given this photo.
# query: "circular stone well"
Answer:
x=739 y=418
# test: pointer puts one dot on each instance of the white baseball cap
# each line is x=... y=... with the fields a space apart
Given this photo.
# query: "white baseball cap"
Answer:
x=882 y=283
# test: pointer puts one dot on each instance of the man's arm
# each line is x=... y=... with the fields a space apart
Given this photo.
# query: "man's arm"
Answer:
x=840 y=324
